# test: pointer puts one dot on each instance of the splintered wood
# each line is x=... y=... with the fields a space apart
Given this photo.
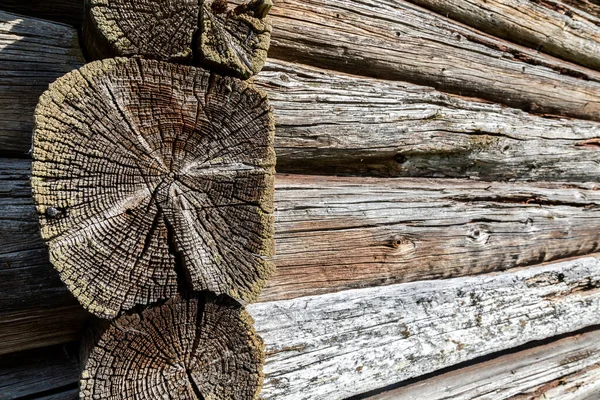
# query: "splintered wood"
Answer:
x=228 y=40
x=153 y=179
x=184 y=349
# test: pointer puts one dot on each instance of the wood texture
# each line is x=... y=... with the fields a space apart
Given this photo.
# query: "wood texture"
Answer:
x=38 y=371
x=337 y=345
x=551 y=27
x=408 y=43
x=33 y=53
x=152 y=179
x=182 y=349
x=331 y=123
x=225 y=39
x=65 y=11
x=524 y=375
x=338 y=233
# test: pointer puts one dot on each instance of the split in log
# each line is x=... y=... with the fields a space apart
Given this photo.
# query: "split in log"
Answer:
x=570 y=366
x=337 y=345
x=151 y=179
x=548 y=26
x=338 y=233
x=230 y=41
x=183 y=349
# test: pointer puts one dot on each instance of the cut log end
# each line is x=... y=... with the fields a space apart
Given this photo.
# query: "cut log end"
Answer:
x=230 y=41
x=184 y=349
x=153 y=179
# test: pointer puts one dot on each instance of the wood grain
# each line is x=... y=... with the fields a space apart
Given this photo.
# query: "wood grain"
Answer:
x=548 y=26
x=559 y=366
x=64 y=11
x=37 y=371
x=33 y=53
x=337 y=345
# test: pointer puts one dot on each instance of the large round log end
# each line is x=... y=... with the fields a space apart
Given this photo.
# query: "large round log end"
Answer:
x=153 y=179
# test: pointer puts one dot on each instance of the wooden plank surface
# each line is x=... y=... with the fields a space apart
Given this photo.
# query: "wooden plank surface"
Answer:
x=64 y=11
x=551 y=27
x=337 y=345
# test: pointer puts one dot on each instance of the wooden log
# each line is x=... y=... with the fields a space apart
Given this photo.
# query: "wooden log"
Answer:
x=228 y=40
x=549 y=26
x=590 y=6
x=27 y=374
x=65 y=11
x=406 y=42
x=182 y=349
x=333 y=123
x=536 y=373
x=141 y=196
x=33 y=54
x=337 y=345
x=338 y=233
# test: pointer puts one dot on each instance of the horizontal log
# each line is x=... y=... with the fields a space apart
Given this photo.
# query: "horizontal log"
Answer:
x=33 y=53
x=338 y=345
x=339 y=233
x=333 y=123
x=549 y=26
x=528 y=374
x=406 y=42
x=65 y=11
x=26 y=374
x=590 y=6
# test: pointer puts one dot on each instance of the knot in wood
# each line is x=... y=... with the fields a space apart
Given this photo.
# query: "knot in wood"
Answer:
x=166 y=179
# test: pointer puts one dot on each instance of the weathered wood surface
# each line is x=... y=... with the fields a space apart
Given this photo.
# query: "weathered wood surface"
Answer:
x=337 y=345
x=37 y=371
x=65 y=11
x=549 y=26
x=33 y=53
x=524 y=375
x=152 y=179
x=409 y=43
x=333 y=123
x=182 y=349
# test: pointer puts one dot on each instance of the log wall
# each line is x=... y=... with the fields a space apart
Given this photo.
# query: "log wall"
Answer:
x=455 y=256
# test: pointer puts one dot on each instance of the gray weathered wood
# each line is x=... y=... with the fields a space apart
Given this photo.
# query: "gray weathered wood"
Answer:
x=340 y=124
x=527 y=374
x=339 y=233
x=33 y=53
x=64 y=11
x=36 y=371
x=409 y=43
x=550 y=26
x=337 y=345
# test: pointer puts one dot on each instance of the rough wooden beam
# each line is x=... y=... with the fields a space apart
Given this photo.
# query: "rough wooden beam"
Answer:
x=337 y=345
x=548 y=26
x=33 y=53
x=528 y=374
x=333 y=123
x=65 y=11
x=27 y=374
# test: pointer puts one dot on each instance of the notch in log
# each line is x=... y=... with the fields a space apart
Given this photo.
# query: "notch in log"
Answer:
x=152 y=179
x=228 y=39
x=192 y=349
